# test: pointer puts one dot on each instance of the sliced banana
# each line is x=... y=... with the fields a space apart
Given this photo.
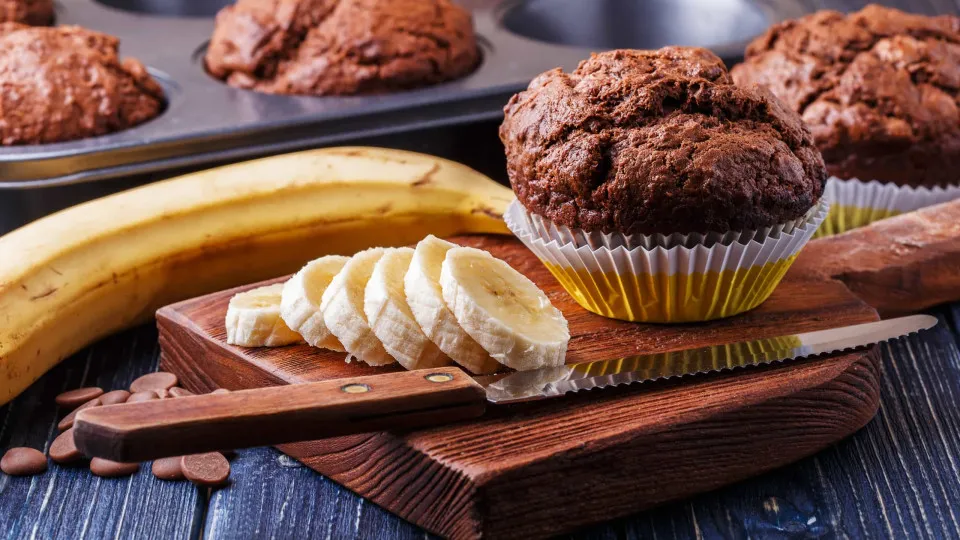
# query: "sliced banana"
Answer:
x=342 y=307
x=390 y=318
x=301 y=297
x=253 y=319
x=425 y=298
x=503 y=311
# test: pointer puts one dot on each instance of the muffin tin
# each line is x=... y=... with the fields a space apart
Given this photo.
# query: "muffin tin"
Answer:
x=207 y=122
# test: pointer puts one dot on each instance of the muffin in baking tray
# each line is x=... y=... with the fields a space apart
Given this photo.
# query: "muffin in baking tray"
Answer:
x=341 y=47
x=33 y=12
x=64 y=83
x=655 y=189
x=879 y=89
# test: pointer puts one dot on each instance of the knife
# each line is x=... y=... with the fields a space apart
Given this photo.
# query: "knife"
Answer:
x=421 y=398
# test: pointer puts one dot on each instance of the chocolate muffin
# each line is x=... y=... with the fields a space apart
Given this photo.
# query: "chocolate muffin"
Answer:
x=340 y=47
x=33 y=12
x=878 y=88
x=65 y=83
x=658 y=142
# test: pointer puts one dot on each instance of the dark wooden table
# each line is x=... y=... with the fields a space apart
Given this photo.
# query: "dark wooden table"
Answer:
x=899 y=477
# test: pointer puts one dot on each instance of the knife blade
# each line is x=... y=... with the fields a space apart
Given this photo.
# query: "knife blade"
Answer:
x=551 y=382
x=416 y=399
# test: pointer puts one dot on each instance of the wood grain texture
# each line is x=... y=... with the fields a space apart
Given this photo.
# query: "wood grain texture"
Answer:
x=897 y=477
x=538 y=469
x=68 y=501
x=900 y=265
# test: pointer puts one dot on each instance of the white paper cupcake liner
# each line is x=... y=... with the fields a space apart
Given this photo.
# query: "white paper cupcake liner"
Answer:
x=678 y=278
x=856 y=203
x=546 y=230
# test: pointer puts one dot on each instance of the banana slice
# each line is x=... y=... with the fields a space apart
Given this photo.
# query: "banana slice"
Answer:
x=300 y=301
x=503 y=310
x=253 y=319
x=342 y=307
x=390 y=318
x=425 y=298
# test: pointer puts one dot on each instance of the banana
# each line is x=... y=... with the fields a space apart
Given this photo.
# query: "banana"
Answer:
x=342 y=308
x=390 y=318
x=74 y=277
x=253 y=319
x=300 y=302
x=502 y=310
x=437 y=322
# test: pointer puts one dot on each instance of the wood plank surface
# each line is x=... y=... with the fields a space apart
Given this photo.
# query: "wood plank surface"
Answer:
x=70 y=502
x=897 y=477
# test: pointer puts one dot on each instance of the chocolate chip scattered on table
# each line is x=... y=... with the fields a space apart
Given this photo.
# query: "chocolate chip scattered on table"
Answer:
x=114 y=397
x=112 y=469
x=22 y=461
x=67 y=421
x=160 y=380
x=72 y=399
x=168 y=468
x=209 y=469
x=64 y=449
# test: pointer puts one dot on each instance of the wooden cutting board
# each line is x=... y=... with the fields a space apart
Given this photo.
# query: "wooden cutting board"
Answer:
x=538 y=469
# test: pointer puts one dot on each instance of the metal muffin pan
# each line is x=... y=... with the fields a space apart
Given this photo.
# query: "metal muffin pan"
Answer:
x=208 y=122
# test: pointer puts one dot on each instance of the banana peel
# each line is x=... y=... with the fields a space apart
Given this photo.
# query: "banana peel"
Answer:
x=76 y=276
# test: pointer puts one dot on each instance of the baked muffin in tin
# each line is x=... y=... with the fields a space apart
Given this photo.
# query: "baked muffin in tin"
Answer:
x=656 y=189
x=341 y=47
x=879 y=89
x=32 y=12
x=64 y=83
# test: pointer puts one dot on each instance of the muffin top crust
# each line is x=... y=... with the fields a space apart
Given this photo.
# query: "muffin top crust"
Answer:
x=341 y=47
x=64 y=83
x=658 y=142
x=878 y=88
x=32 y=12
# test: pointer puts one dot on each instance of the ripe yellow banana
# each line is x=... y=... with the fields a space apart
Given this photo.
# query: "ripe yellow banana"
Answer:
x=88 y=271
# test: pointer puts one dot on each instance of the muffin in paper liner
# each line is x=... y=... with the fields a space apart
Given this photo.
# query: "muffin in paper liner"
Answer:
x=666 y=279
x=855 y=203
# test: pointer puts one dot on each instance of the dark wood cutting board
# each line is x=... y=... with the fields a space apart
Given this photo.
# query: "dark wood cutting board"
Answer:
x=543 y=468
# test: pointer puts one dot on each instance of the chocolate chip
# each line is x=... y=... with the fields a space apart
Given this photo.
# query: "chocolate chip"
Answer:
x=209 y=469
x=63 y=449
x=176 y=391
x=160 y=380
x=22 y=461
x=114 y=397
x=74 y=398
x=142 y=396
x=67 y=421
x=112 y=469
x=168 y=468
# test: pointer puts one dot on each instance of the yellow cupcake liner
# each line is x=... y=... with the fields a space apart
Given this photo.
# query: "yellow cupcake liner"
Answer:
x=856 y=203
x=678 y=278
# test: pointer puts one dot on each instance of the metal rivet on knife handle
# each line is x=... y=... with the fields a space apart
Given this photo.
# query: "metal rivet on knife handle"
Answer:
x=355 y=388
x=439 y=377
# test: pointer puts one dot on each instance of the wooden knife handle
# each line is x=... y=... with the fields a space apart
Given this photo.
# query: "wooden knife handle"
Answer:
x=281 y=414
